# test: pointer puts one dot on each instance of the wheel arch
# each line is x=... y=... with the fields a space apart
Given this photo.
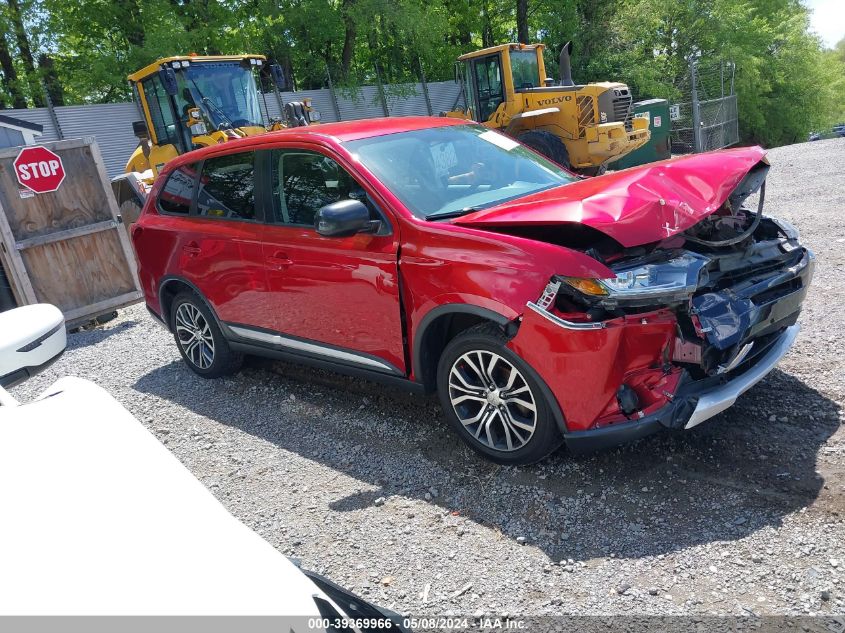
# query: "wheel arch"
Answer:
x=439 y=326
x=170 y=287
x=428 y=346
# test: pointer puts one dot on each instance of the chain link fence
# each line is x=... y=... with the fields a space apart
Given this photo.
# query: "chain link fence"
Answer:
x=705 y=117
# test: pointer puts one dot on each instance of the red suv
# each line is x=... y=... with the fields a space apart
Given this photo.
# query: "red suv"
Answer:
x=446 y=257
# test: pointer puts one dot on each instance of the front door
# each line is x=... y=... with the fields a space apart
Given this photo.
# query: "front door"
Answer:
x=334 y=298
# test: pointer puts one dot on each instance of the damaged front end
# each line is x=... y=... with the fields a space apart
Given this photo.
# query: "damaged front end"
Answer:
x=686 y=325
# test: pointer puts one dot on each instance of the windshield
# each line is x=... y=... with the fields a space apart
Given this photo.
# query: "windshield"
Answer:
x=447 y=171
x=525 y=70
x=224 y=92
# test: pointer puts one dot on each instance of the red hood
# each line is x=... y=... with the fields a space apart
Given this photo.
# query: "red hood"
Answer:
x=635 y=206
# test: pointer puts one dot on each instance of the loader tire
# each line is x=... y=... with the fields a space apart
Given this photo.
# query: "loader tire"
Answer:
x=546 y=144
x=601 y=170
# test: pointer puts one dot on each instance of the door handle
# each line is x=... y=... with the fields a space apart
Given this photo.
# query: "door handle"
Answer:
x=279 y=260
x=191 y=249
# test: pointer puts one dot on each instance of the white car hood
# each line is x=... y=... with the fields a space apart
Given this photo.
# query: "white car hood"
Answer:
x=98 y=518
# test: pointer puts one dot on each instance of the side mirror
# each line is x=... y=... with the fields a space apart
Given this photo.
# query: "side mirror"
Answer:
x=279 y=78
x=31 y=338
x=167 y=76
x=139 y=129
x=343 y=218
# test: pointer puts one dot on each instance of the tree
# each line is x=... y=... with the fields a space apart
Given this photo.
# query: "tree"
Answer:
x=784 y=85
x=786 y=82
x=25 y=51
x=522 y=21
x=10 y=76
x=52 y=84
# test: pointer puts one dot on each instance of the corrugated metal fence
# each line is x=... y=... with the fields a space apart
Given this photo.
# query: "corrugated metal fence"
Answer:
x=111 y=123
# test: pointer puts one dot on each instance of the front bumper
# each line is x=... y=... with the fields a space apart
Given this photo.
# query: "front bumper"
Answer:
x=693 y=403
x=612 y=140
x=684 y=365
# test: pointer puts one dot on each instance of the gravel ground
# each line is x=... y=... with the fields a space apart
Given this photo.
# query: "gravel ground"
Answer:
x=743 y=515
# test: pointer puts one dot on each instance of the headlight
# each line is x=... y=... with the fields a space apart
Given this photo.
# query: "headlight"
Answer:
x=681 y=275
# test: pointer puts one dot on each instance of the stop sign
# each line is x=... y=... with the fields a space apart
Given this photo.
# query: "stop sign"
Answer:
x=39 y=170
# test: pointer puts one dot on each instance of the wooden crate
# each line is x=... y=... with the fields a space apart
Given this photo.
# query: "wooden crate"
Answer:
x=67 y=247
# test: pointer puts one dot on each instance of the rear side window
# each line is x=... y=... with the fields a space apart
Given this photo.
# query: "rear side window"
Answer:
x=227 y=187
x=178 y=191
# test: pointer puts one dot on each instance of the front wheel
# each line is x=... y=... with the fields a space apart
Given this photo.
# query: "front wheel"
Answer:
x=492 y=399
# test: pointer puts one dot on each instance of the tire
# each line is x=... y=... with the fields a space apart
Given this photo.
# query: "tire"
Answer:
x=199 y=339
x=593 y=171
x=548 y=145
x=503 y=429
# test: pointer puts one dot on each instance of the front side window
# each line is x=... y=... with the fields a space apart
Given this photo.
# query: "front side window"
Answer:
x=178 y=192
x=488 y=79
x=456 y=169
x=305 y=181
x=525 y=69
x=227 y=187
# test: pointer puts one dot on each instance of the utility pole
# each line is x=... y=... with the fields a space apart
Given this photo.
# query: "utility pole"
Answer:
x=332 y=93
x=384 y=107
x=696 y=109
x=425 y=88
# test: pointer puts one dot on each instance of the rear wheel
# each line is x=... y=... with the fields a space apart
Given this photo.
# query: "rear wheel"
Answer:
x=546 y=144
x=201 y=343
x=492 y=399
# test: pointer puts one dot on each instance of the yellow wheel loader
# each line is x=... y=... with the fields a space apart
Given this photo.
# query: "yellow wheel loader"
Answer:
x=194 y=101
x=582 y=128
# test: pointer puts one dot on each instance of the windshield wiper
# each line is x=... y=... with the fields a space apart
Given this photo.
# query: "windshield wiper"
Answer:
x=452 y=214
x=213 y=106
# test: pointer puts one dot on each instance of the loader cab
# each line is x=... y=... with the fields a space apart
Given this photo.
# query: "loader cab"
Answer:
x=194 y=101
x=493 y=76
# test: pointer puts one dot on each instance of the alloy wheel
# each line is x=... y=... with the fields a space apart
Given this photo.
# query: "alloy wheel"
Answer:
x=194 y=336
x=492 y=400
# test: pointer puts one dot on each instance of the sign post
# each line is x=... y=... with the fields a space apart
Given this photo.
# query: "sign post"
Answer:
x=39 y=170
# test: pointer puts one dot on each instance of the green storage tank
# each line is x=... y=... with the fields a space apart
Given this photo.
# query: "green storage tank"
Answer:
x=656 y=111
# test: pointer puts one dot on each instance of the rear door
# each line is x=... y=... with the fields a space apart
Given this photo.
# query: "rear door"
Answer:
x=335 y=298
x=219 y=247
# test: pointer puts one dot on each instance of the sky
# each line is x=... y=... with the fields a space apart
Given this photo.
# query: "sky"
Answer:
x=827 y=19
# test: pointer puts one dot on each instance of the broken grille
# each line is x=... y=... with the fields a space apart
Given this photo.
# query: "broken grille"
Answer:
x=586 y=114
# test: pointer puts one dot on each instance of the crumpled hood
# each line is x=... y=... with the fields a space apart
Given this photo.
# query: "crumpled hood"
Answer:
x=635 y=206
